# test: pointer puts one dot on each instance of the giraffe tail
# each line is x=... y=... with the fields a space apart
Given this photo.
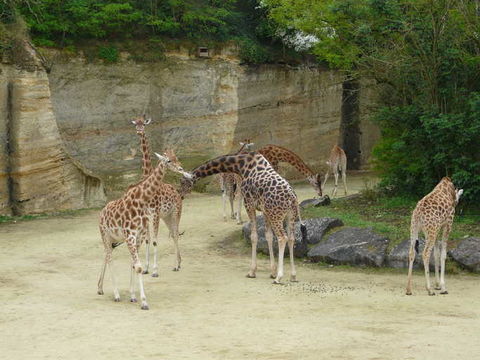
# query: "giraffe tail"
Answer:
x=417 y=244
x=303 y=226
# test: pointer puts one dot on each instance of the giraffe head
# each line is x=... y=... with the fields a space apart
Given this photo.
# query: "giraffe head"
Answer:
x=140 y=122
x=458 y=193
x=316 y=182
x=173 y=165
x=246 y=145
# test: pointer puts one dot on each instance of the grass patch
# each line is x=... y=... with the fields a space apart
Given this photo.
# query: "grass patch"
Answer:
x=389 y=216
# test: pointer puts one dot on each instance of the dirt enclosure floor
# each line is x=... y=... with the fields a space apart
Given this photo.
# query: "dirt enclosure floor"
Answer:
x=209 y=310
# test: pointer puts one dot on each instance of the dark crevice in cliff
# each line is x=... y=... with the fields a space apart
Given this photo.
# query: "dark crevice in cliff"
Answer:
x=9 y=151
x=350 y=123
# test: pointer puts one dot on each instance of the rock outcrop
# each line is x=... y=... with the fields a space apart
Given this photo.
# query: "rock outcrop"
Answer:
x=37 y=174
x=467 y=254
x=398 y=257
x=352 y=246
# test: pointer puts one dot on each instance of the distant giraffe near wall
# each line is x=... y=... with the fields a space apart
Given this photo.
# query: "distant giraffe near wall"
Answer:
x=433 y=213
x=263 y=189
x=230 y=186
x=337 y=162
x=129 y=220
x=277 y=154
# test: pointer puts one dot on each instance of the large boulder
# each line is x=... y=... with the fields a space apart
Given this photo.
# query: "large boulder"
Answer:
x=316 y=228
x=352 y=246
x=316 y=202
x=398 y=257
x=467 y=254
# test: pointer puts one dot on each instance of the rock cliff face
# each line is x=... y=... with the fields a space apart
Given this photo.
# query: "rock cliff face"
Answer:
x=63 y=156
x=201 y=107
x=36 y=174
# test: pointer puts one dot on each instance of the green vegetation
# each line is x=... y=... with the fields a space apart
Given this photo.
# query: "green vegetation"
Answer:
x=387 y=215
x=70 y=23
x=63 y=213
x=425 y=54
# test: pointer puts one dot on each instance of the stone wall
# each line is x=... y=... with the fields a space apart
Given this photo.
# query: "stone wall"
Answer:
x=37 y=175
x=201 y=107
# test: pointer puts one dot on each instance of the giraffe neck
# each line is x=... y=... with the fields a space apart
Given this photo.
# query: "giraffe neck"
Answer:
x=238 y=164
x=147 y=167
x=276 y=154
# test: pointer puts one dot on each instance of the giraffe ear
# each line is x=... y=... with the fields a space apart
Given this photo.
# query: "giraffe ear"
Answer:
x=250 y=144
x=148 y=121
x=242 y=143
x=133 y=122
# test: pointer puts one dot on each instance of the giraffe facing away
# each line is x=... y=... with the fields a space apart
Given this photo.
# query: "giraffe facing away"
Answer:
x=173 y=219
x=263 y=189
x=230 y=185
x=433 y=214
x=129 y=220
x=337 y=162
x=276 y=154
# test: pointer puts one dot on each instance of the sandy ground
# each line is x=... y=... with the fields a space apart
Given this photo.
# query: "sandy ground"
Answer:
x=210 y=310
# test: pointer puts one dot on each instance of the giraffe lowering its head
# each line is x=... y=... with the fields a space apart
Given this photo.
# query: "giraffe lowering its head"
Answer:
x=263 y=189
x=433 y=214
x=277 y=154
x=127 y=220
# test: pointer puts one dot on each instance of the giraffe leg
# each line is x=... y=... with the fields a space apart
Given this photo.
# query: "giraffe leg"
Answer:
x=232 y=201
x=269 y=238
x=414 y=230
x=173 y=227
x=224 y=201
x=291 y=244
x=282 y=241
x=147 y=255
x=108 y=257
x=156 y=223
x=325 y=181
x=443 y=258
x=344 y=179
x=239 y=208
x=429 y=243
x=254 y=240
x=116 y=294
x=137 y=266
x=436 y=256
x=133 y=298
x=335 y=175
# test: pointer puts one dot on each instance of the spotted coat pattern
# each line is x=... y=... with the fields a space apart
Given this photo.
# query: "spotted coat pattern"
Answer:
x=263 y=189
x=277 y=154
x=433 y=213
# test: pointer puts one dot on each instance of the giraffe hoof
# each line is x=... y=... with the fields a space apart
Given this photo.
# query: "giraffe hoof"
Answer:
x=273 y=276
x=116 y=299
x=145 y=272
x=145 y=307
x=176 y=269
x=251 y=276
x=293 y=279
x=100 y=292
x=155 y=275
x=438 y=288
x=408 y=293
x=431 y=293
x=445 y=292
x=133 y=300
x=276 y=282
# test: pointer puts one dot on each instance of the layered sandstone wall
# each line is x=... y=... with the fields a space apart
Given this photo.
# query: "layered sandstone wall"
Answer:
x=201 y=107
x=37 y=175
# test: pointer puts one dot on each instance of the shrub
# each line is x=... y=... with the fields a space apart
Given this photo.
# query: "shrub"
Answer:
x=108 y=53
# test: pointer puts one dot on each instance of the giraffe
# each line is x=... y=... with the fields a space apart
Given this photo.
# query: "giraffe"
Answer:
x=140 y=123
x=147 y=169
x=128 y=219
x=337 y=163
x=433 y=213
x=230 y=186
x=263 y=190
x=276 y=154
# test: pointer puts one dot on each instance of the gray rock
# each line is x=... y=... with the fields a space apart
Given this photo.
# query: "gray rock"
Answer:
x=323 y=201
x=398 y=257
x=353 y=246
x=467 y=254
x=316 y=228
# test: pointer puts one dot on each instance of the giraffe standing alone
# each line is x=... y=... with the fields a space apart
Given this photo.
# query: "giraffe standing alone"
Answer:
x=263 y=190
x=128 y=220
x=433 y=213
x=337 y=163
x=276 y=154
x=168 y=206
x=230 y=186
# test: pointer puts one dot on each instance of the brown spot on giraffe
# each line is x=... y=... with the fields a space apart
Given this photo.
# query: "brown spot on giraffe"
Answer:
x=434 y=213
